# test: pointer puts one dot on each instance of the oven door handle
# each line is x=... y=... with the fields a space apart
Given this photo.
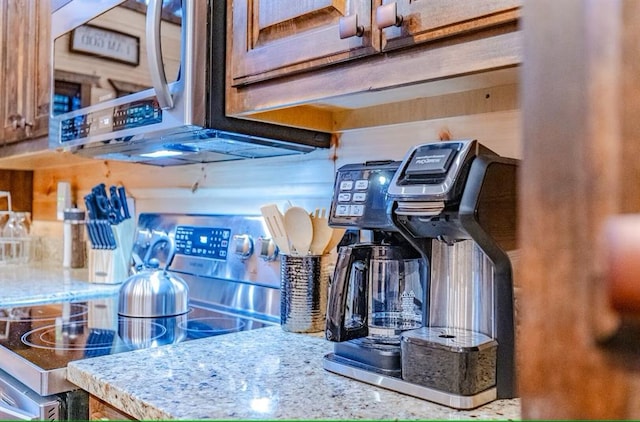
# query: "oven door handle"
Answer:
x=11 y=413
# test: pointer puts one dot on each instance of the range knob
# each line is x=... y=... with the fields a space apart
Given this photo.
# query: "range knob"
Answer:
x=243 y=245
x=268 y=250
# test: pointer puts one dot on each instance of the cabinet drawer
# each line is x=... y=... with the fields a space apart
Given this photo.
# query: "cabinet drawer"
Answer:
x=275 y=38
x=426 y=20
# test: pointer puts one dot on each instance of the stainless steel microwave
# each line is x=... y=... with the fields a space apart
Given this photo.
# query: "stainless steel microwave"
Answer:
x=144 y=81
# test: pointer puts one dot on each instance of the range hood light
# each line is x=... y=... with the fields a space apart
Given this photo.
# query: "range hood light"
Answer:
x=161 y=154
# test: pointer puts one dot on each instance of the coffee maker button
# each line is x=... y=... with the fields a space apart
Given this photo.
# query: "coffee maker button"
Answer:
x=359 y=197
x=362 y=184
x=346 y=185
x=357 y=210
x=344 y=197
x=342 y=210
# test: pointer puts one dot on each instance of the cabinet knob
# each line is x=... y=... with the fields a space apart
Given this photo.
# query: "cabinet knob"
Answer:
x=19 y=122
x=348 y=26
x=387 y=15
x=616 y=309
x=622 y=273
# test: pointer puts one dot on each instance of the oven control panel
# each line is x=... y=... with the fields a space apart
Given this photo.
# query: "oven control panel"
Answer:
x=220 y=246
x=204 y=242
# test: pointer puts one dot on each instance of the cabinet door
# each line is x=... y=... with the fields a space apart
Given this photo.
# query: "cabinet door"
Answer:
x=277 y=37
x=25 y=81
x=102 y=411
x=425 y=20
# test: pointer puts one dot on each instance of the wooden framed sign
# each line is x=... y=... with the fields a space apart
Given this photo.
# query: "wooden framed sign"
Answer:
x=106 y=43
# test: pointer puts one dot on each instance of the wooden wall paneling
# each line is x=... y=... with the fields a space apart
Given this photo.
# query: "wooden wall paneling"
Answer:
x=472 y=102
x=20 y=184
x=572 y=107
x=499 y=131
x=237 y=186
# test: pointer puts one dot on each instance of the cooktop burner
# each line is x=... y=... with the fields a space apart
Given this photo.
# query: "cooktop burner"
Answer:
x=50 y=336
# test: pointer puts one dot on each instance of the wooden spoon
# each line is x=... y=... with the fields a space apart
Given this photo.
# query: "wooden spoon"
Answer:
x=336 y=237
x=299 y=228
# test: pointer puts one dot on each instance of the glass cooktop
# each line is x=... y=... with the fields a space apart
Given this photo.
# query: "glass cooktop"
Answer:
x=37 y=342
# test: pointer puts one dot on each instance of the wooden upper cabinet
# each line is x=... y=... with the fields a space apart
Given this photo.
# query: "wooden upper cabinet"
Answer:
x=419 y=21
x=24 y=69
x=276 y=37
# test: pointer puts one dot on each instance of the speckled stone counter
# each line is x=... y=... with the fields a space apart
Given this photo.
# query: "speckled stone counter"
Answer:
x=259 y=374
x=42 y=283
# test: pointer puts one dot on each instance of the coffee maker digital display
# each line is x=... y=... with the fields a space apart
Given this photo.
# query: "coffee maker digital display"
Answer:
x=450 y=218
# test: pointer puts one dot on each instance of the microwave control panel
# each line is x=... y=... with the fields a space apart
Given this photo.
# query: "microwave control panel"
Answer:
x=126 y=116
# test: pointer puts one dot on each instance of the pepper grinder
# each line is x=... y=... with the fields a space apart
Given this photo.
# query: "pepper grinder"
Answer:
x=73 y=252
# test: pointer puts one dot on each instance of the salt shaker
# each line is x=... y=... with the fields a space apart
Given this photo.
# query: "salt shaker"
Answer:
x=73 y=253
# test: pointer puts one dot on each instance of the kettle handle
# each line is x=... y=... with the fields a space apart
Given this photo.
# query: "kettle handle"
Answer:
x=349 y=267
x=155 y=241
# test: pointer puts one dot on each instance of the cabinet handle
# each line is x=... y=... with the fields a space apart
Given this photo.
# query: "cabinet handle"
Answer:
x=387 y=15
x=348 y=26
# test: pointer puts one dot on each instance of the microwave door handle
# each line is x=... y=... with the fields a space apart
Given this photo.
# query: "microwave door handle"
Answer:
x=154 y=55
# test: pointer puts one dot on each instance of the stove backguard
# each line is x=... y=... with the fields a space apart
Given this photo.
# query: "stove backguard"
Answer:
x=228 y=261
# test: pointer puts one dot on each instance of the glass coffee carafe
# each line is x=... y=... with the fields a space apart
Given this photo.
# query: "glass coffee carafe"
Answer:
x=395 y=292
x=377 y=291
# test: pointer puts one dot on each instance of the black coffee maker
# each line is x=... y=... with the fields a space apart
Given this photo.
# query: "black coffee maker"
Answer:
x=377 y=290
x=455 y=203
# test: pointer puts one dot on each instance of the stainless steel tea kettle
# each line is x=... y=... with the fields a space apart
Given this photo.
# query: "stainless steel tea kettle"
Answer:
x=154 y=292
x=153 y=303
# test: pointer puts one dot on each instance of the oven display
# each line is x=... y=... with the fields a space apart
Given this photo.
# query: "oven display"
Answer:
x=205 y=242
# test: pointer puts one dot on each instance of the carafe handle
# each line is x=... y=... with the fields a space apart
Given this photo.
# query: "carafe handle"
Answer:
x=349 y=284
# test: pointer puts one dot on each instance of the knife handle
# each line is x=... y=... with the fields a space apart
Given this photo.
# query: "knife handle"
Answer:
x=89 y=202
x=116 y=204
x=123 y=202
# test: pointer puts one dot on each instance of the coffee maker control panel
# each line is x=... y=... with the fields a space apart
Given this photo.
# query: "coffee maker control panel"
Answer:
x=360 y=195
x=435 y=171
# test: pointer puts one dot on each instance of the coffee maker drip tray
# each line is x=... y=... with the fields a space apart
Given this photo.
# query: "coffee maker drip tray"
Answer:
x=370 y=354
x=358 y=371
x=449 y=366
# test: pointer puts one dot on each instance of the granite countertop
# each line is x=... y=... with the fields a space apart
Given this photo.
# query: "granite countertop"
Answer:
x=47 y=283
x=260 y=374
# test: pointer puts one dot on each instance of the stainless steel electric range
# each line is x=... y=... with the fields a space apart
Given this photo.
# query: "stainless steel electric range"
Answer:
x=232 y=271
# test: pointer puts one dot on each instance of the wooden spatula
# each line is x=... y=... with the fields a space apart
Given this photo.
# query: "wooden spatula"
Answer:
x=275 y=223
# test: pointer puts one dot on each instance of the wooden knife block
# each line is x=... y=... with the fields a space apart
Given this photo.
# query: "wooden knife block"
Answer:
x=111 y=266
